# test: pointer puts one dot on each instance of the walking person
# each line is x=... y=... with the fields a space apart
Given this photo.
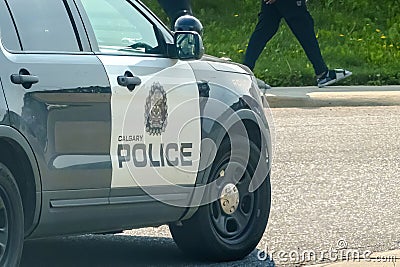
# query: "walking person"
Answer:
x=301 y=23
x=176 y=9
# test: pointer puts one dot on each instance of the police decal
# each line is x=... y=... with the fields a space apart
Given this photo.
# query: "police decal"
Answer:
x=156 y=110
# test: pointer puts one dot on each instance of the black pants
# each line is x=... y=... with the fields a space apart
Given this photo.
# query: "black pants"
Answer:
x=175 y=9
x=301 y=24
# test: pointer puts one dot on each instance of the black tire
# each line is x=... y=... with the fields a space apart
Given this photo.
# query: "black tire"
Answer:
x=204 y=237
x=11 y=220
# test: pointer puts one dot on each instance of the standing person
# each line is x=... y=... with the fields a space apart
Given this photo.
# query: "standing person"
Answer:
x=301 y=23
x=176 y=9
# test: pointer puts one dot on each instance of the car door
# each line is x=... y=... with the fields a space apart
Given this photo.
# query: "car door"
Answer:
x=59 y=98
x=155 y=138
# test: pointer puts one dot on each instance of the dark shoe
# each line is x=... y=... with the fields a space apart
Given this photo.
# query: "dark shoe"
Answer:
x=332 y=76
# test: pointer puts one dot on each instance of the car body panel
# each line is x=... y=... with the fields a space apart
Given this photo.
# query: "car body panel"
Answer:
x=70 y=213
x=135 y=124
x=66 y=117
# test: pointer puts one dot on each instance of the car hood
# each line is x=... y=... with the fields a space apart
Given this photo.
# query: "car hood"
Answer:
x=225 y=65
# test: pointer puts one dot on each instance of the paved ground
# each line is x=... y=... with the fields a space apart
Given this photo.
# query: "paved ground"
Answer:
x=335 y=185
x=336 y=177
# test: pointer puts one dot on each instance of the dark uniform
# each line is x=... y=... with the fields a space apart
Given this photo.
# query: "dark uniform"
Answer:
x=301 y=24
x=175 y=9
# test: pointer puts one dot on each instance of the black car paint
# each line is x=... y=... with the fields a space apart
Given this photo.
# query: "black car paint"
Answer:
x=68 y=104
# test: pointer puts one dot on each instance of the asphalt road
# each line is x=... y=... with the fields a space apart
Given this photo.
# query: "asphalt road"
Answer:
x=335 y=182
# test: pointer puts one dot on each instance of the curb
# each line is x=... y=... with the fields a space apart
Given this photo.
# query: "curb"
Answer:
x=288 y=97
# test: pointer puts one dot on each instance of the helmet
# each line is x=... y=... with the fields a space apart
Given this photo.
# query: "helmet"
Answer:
x=188 y=23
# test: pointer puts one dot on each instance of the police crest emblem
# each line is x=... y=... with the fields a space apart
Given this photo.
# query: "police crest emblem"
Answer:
x=156 y=110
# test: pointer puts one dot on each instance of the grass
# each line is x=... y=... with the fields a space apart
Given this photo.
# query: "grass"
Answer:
x=362 y=36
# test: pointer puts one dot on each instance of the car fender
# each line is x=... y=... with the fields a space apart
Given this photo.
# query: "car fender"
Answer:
x=241 y=108
x=13 y=135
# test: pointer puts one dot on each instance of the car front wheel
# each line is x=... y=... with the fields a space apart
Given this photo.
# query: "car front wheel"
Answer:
x=230 y=227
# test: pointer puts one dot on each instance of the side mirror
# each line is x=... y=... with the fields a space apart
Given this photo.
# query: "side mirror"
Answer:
x=189 y=45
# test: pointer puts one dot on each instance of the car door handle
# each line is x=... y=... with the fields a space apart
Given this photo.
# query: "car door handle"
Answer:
x=129 y=81
x=21 y=79
x=24 y=78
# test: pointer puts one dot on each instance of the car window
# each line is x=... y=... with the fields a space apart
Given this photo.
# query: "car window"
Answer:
x=120 y=28
x=44 y=25
x=9 y=37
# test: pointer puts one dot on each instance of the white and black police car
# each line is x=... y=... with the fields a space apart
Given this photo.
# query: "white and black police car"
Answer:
x=109 y=121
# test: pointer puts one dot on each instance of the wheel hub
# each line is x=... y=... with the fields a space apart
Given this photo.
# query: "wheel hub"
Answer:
x=229 y=198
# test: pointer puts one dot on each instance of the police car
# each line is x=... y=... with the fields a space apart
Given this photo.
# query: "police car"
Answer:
x=109 y=121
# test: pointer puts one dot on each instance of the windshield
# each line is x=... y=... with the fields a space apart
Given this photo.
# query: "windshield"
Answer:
x=120 y=27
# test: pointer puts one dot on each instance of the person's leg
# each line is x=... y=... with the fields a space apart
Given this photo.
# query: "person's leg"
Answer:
x=268 y=24
x=302 y=25
x=175 y=9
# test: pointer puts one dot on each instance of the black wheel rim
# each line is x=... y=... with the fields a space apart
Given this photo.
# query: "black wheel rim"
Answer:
x=233 y=227
x=4 y=224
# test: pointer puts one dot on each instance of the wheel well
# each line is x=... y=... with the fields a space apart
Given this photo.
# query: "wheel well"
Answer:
x=252 y=131
x=14 y=157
